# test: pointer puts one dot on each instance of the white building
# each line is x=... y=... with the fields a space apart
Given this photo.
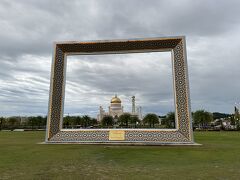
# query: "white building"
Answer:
x=116 y=109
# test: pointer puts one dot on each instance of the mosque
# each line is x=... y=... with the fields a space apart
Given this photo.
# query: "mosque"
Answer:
x=116 y=109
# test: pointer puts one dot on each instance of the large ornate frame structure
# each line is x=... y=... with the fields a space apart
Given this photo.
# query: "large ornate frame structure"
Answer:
x=182 y=134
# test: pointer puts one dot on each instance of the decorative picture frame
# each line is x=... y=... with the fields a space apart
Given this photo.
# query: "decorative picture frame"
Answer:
x=182 y=134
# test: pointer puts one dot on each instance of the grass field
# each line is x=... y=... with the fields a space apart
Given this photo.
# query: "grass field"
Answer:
x=22 y=158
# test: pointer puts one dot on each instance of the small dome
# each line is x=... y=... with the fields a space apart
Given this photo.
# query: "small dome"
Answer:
x=115 y=100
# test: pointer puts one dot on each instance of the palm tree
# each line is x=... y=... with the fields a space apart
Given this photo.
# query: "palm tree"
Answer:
x=107 y=121
x=134 y=120
x=2 y=121
x=79 y=121
x=124 y=119
x=94 y=121
x=151 y=119
x=86 y=120
x=202 y=118
x=66 y=121
x=169 y=121
x=12 y=122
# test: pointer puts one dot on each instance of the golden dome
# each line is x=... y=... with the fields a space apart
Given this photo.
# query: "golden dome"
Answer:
x=115 y=100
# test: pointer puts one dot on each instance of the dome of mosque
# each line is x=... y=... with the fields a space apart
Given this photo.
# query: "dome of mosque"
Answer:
x=115 y=100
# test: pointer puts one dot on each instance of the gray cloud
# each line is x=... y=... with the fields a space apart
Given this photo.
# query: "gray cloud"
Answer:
x=28 y=29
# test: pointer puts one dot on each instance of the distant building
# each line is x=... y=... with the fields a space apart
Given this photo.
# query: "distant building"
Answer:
x=116 y=109
x=23 y=119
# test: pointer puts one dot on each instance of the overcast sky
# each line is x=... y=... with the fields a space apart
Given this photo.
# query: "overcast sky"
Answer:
x=29 y=28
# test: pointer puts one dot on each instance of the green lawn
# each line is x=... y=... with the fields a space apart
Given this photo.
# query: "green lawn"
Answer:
x=22 y=158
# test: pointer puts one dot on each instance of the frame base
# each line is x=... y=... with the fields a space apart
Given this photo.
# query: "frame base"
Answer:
x=127 y=143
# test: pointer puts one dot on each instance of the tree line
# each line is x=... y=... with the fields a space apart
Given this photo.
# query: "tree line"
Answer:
x=32 y=122
x=150 y=120
x=79 y=121
x=201 y=120
x=205 y=120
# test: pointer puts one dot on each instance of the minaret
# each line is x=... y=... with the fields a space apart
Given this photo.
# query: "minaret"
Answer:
x=133 y=105
x=139 y=111
x=101 y=113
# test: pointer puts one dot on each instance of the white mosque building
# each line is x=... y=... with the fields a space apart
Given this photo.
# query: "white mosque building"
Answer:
x=116 y=109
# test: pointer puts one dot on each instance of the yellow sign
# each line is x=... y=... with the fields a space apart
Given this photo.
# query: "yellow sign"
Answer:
x=115 y=135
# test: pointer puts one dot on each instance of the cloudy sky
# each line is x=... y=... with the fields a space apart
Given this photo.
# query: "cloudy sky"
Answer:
x=29 y=28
